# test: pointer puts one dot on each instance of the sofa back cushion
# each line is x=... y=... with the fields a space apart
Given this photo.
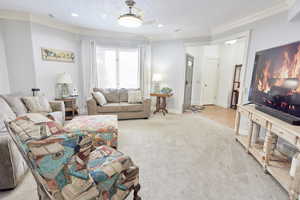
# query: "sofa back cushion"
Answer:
x=111 y=95
x=123 y=95
x=6 y=114
x=16 y=104
x=37 y=104
x=135 y=96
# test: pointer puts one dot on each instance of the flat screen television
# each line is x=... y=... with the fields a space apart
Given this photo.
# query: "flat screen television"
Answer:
x=275 y=85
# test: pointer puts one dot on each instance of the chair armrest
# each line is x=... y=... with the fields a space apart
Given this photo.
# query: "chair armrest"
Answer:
x=92 y=106
x=58 y=106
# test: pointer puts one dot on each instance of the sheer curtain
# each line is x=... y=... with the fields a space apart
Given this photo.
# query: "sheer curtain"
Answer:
x=145 y=69
x=89 y=68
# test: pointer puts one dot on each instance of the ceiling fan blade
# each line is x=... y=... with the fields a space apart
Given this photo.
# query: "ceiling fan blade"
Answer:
x=151 y=22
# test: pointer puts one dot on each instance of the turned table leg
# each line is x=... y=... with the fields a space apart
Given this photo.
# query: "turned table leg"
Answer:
x=250 y=132
x=268 y=146
x=157 y=105
x=256 y=130
x=237 y=123
x=164 y=105
x=295 y=186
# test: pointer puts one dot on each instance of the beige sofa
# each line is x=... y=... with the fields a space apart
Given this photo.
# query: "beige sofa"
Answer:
x=117 y=103
x=12 y=165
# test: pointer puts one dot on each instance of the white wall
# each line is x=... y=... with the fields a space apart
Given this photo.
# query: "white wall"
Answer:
x=230 y=55
x=168 y=59
x=47 y=71
x=19 y=55
x=271 y=32
x=4 y=81
x=294 y=13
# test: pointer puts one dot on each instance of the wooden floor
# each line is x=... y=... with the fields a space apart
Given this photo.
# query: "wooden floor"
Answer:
x=225 y=116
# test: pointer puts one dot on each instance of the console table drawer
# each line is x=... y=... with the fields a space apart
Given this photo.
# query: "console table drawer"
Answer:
x=259 y=120
x=289 y=137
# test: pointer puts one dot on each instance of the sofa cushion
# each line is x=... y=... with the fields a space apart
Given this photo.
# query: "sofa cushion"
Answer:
x=6 y=114
x=37 y=104
x=111 y=95
x=120 y=107
x=16 y=104
x=134 y=96
x=100 y=98
x=123 y=95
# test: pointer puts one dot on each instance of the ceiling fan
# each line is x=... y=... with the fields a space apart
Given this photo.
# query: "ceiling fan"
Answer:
x=131 y=19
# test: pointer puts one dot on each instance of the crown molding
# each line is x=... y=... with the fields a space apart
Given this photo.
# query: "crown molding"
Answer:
x=56 y=24
x=281 y=7
x=14 y=15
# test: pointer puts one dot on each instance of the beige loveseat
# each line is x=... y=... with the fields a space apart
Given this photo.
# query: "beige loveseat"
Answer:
x=12 y=165
x=117 y=103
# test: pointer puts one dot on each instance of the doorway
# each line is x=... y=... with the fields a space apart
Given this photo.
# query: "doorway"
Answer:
x=210 y=81
x=188 y=81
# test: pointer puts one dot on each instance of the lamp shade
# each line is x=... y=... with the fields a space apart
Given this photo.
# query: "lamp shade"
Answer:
x=156 y=77
x=64 y=78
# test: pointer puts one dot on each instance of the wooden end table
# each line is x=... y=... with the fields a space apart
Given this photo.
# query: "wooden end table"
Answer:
x=161 y=102
x=71 y=108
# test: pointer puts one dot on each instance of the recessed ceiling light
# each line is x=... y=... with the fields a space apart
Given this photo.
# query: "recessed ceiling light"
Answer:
x=160 y=25
x=104 y=16
x=74 y=15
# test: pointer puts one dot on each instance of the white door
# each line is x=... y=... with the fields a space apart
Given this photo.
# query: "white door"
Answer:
x=209 y=83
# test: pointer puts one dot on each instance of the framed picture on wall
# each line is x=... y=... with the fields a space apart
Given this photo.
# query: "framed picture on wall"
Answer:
x=57 y=55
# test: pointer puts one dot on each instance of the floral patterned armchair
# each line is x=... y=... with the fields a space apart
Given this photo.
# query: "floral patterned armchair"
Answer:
x=67 y=166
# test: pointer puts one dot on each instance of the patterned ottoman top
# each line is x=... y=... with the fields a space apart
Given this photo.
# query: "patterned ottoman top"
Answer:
x=93 y=123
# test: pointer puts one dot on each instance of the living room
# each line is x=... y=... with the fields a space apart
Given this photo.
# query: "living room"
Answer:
x=163 y=91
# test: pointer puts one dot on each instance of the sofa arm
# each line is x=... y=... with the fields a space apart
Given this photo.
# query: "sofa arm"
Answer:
x=147 y=106
x=92 y=106
x=58 y=106
x=12 y=166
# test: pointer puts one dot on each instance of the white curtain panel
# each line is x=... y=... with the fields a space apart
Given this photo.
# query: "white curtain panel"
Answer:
x=89 y=68
x=145 y=67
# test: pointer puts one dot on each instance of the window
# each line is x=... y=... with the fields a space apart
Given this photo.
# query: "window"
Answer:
x=118 y=68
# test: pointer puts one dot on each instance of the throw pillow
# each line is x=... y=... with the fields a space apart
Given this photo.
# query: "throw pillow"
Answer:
x=37 y=104
x=100 y=98
x=135 y=96
x=45 y=104
x=16 y=104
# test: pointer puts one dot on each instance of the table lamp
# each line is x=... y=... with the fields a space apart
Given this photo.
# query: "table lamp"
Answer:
x=64 y=80
x=156 y=79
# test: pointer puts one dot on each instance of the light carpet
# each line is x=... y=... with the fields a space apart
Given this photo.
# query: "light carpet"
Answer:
x=185 y=157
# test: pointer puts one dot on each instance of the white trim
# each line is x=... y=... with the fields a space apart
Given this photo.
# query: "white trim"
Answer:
x=54 y=23
x=284 y=6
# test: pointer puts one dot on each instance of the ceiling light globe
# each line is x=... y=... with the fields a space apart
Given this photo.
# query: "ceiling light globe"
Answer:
x=130 y=21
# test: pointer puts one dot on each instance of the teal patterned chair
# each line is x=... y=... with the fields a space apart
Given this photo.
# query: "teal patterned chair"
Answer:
x=66 y=165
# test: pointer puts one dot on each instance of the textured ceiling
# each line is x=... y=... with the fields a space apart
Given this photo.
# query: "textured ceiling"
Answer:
x=194 y=18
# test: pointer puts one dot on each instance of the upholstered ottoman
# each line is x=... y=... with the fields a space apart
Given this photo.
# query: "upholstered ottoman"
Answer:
x=102 y=128
x=66 y=165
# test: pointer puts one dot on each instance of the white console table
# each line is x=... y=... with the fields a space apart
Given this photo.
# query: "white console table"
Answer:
x=265 y=151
